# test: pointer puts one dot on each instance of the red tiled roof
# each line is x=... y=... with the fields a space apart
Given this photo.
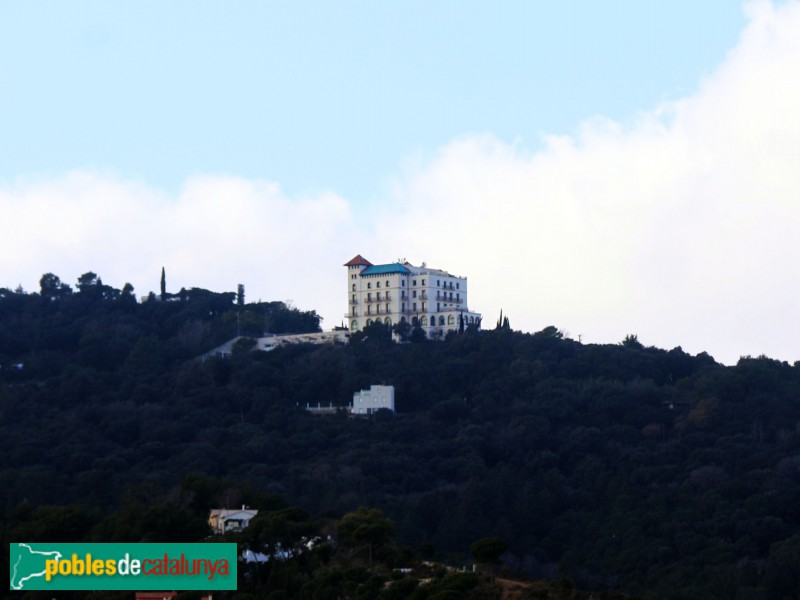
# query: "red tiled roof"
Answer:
x=358 y=260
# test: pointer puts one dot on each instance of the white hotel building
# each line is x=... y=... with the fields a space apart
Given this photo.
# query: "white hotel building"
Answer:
x=432 y=298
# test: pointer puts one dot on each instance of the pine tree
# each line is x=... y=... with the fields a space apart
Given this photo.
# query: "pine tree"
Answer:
x=502 y=322
x=163 y=284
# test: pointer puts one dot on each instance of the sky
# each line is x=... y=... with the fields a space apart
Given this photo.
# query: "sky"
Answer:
x=610 y=168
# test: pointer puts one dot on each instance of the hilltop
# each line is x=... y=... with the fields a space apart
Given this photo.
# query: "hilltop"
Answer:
x=621 y=467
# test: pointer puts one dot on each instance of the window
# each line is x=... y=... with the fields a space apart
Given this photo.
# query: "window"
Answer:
x=354 y=299
x=369 y=322
x=423 y=321
x=438 y=283
x=354 y=325
x=414 y=282
x=438 y=307
x=388 y=321
x=378 y=284
x=387 y=284
x=369 y=297
x=378 y=296
x=369 y=286
x=414 y=321
x=451 y=320
x=368 y=307
x=387 y=307
x=403 y=283
x=414 y=307
x=441 y=320
x=457 y=285
x=414 y=294
x=458 y=297
x=423 y=282
x=403 y=307
x=354 y=287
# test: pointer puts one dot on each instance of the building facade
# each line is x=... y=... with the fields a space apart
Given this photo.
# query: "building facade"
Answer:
x=366 y=402
x=431 y=298
x=223 y=520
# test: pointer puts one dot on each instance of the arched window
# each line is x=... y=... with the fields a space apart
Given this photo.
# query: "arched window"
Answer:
x=472 y=319
x=354 y=287
x=441 y=320
x=451 y=320
x=354 y=326
x=424 y=321
x=414 y=321
x=369 y=322
x=388 y=322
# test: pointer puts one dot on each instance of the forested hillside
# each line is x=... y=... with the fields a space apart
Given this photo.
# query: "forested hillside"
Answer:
x=619 y=467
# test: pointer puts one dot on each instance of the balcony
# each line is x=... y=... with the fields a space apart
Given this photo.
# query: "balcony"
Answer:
x=442 y=298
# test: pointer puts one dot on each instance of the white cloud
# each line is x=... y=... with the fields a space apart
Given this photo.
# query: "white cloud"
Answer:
x=217 y=232
x=680 y=227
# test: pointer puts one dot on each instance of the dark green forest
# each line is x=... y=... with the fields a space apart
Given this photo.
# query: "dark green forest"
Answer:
x=616 y=468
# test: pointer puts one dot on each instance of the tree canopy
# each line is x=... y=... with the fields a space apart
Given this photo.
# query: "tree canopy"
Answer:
x=621 y=467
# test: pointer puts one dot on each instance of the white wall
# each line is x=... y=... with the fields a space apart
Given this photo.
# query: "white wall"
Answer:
x=377 y=396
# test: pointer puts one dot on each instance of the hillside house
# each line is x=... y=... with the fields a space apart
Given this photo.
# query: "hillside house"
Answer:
x=223 y=520
x=366 y=402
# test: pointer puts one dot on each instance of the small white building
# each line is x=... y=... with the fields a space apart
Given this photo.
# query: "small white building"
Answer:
x=366 y=402
x=223 y=520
